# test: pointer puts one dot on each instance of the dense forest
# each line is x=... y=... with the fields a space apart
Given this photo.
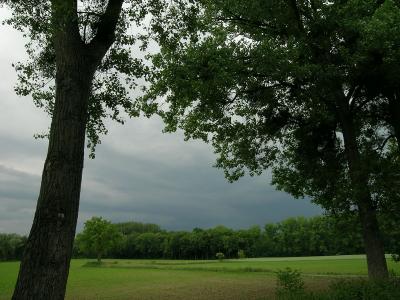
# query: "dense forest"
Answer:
x=321 y=235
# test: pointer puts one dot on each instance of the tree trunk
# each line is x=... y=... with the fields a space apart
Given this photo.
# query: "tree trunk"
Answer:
x=373 y=242
x=376 y=261
x=45 y=265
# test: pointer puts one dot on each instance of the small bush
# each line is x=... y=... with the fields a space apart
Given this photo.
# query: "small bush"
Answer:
x=241 y=254
x=289 y=284
x=220 y=256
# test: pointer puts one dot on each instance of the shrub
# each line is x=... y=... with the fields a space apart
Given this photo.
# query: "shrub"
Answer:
x=220 y=256
x=356 y=289
x=364 y=290
x=241 y=254
x=289 y=284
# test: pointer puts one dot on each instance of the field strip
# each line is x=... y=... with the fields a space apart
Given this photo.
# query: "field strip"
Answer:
x=170 y=267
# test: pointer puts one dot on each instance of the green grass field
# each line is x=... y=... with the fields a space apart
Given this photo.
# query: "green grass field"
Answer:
x=172 y=279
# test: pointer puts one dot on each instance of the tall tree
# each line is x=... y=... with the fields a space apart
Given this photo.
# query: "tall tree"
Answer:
x=80 y=70
x=289 y=85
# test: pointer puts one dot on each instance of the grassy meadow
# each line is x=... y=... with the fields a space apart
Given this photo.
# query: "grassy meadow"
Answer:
x=184 y=279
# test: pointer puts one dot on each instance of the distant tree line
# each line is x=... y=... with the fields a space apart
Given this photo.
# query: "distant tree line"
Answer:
x=11 y=246
x=321 y=235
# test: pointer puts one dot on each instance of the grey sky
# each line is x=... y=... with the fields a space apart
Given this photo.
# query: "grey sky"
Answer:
x=138 y=174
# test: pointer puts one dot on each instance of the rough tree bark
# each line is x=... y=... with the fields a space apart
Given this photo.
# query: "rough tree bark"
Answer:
x=44 y=268
x=373 y=242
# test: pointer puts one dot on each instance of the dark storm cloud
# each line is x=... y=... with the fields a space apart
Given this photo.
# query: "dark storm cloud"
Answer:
x=124 y=187
x=17 y=190
x=183 y=196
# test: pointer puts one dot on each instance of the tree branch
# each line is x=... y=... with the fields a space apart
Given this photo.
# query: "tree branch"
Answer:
x=65 y=22
x=90 y=13
x=105 y=36
x=296 y=11
x=385 y=142
x=350 y=95
x=254 y=23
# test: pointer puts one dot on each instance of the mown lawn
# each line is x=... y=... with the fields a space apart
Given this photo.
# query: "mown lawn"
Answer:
x=171 y=279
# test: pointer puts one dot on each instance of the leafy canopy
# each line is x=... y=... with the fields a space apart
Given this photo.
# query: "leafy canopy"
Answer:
x=265 y=81
x=119 y=78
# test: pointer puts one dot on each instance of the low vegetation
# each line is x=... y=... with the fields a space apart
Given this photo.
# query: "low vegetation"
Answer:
x=290 y=286
x=253 y=278
x=218 y=263
x=289 y=283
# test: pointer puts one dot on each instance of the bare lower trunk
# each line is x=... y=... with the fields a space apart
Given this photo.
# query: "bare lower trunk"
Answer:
x=376 y=261
x=373 y=242
x=44 y=268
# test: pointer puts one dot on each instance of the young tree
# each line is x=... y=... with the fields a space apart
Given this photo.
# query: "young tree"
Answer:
x=80 y=69
x=98 y=237
x=290 y=85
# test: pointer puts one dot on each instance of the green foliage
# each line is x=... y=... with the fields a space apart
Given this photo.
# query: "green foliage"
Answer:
x=116 y=78
x=128 y=228
x=292 y=237
x=348 y=289
x=363 y=290
x=389 y=222
x=11 y=246
x=289 y=282
x=307 y=89
x=220 y=256
x=98 y=237
x=241 y=254
x=324 y=235
x=264 y=82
